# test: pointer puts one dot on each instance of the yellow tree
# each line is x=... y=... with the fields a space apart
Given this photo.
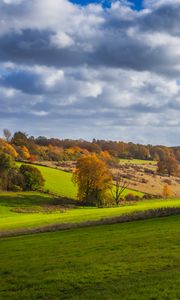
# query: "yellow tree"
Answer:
x=93 y=178
x=167 y=191
x=25 y=152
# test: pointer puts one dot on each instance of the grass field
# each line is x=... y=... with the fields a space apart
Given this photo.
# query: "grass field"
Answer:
x=11 y=202
x=60 y=183
x=136 y=260
x=138 y=161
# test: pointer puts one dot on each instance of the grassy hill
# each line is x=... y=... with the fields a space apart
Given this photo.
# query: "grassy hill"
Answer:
x=60 y=183
x=136 y=260
x=30 y=210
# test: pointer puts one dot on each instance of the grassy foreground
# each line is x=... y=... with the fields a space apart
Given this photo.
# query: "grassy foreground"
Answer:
x=12 y=203
x=136 y=260
x=60 y=183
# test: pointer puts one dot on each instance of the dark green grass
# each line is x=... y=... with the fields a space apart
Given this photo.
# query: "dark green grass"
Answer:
x=136 y=260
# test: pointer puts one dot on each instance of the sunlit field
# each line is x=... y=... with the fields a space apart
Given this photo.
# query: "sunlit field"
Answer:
x=30 y=210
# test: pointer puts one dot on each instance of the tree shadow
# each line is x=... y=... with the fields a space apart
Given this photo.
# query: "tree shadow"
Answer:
x=36 y=199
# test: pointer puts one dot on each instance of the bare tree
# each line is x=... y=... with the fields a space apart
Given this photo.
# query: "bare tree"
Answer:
x=120 y=185
x=7 y=134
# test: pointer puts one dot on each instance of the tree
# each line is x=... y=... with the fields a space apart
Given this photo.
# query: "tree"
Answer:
x=167 y=191
x=120 y=186
x=7 y=134
x=93 y=179
x=33 y=179
x=6 y=163
x=168 y=166
x=25 y=152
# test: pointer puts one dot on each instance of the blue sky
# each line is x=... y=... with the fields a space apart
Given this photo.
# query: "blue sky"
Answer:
x=136 y=4
x=73 y=71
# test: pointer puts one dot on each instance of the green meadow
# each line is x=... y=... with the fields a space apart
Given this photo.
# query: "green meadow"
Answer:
x=60 y=183
x=16 y=210
x=136 y=260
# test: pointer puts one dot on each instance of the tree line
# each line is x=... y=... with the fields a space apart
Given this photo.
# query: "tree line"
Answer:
x=54 y=149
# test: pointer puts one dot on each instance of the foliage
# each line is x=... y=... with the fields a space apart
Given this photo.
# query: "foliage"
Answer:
x=6 y=164
x=168 y=166
x=62 y=150
x=33 y=179
x=93 y=179
x=167 y=191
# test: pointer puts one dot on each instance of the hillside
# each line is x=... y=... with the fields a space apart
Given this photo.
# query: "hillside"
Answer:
x=60 y=183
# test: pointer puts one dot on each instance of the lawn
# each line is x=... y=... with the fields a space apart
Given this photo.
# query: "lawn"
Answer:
x=137 y=260
x=11 y=202
x=60 y=183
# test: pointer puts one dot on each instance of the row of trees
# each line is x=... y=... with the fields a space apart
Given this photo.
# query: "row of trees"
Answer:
x=42 y=148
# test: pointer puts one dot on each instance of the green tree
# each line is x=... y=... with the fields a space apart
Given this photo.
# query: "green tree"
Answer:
x=6 y=163
x=33 y=179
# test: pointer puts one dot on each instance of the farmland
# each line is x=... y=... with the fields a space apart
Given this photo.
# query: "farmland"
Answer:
x=136 y=260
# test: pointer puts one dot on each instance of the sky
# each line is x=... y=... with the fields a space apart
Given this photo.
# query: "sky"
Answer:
x=91 y=69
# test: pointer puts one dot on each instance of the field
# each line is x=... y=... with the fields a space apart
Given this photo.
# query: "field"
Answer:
x=60 y=183
x=30 y=210
x=136 y=260
x=138 y=162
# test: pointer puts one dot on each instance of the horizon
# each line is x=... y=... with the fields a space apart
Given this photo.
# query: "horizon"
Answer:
x=92 y=69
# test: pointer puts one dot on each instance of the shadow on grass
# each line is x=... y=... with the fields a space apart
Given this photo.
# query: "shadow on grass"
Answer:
x=36 y=199
x=18 y=199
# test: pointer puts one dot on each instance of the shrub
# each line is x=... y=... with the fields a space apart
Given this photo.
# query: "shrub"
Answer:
x=130 y=197
x=33 y=179
x=15 y=180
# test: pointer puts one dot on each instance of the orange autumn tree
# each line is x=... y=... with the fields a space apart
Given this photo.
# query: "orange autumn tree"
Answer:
x=93 y=178
x=167 y=191
x=25 y=152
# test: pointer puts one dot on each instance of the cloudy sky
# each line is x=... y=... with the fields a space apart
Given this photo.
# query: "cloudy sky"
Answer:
x=91 y=69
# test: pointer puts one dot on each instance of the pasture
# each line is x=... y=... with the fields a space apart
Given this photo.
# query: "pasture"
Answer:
x=136 y=260
x=60 y=183
x=31 y=210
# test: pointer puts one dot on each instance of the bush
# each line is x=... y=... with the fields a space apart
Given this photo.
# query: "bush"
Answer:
x=33 y=179
x=15 y=180
x=16 y=188
x=130 y=197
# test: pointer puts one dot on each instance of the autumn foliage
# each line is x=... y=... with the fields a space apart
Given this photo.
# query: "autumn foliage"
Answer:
x=93 y=179
x=167 y=191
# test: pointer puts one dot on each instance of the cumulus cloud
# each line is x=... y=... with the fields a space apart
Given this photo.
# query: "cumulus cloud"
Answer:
x=91 y=71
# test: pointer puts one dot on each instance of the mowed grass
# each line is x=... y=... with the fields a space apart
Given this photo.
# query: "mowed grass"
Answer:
x=10 y=219
x=60 y=183
x=138 y=161
x=137 y=260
